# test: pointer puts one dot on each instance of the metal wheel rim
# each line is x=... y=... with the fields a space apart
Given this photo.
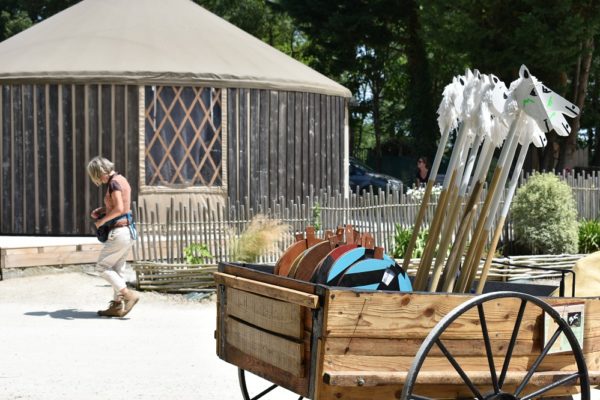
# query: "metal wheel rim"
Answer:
x=244 y=387
x=437 y=331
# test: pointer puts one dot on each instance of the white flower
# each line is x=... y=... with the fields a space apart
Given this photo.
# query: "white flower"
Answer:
x=416 y=194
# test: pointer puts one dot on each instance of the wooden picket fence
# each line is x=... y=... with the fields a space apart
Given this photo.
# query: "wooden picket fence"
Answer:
x=160 y=247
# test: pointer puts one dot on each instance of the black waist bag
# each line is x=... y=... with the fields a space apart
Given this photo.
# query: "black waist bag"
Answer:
x=104 y=230
x=102 y=233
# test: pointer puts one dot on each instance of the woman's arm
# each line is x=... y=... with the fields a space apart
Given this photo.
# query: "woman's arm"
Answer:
x=118 y=209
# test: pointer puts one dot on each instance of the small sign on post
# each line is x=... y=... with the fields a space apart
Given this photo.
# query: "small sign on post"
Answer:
x=574 y=315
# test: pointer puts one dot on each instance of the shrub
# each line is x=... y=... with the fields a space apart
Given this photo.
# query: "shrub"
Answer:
x=589 y=236
x=402 y=238
x=259 y=236
x=196 y=253
x=544 y=216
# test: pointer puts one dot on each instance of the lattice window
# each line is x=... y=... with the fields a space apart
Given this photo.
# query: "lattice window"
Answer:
x=183 y=136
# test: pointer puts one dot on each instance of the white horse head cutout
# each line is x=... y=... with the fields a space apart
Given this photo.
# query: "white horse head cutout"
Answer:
x=449 y=109
x=498 y=96
x=531 y=133
x=544 y=105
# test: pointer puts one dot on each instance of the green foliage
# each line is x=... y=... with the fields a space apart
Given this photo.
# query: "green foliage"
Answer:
x=196 y=253
x=396 y=56
x=264 y=20
x=402 y=238
x=589 y=236
x=316 y=216
x=544 y=216
x=11 y=24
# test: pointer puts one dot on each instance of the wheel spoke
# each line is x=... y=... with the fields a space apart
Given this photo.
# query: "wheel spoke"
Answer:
x=244 y=387
x=512 y=343
x=261 y=394
x=458 y=369
x=488 y=349
x=551 y=386
x=538 y=361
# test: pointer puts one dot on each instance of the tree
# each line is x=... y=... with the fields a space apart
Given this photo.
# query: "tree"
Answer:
x=372 y=47
x=16 y=15
x=551 y=37
x=262 y=19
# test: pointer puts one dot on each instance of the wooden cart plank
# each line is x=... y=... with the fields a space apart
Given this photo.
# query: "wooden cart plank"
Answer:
x=439 y=391
x=414 y=315
x=271 y=349
x=377 y=378
x=269 y=372
x=265 y=289
x=268 y=278
x=266 y=313
x=553 y=362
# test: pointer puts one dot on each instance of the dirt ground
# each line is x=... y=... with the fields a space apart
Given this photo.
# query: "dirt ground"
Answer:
x=53 y=345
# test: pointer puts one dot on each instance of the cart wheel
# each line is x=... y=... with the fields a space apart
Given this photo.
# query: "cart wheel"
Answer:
x=261 y=383
x=434 y=337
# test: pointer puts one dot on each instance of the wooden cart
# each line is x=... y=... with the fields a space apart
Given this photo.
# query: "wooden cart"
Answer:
x=333 y=343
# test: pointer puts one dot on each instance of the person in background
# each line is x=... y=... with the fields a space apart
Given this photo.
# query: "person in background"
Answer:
x=422 y=175
x=116 y=217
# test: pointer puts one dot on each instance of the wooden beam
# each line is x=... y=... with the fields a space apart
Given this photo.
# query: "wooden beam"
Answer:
x=265 y=289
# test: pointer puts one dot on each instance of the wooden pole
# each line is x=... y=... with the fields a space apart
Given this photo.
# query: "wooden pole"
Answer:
x=451 y=268
x=471 y=261
x=452 y=175
x=448 y=111
x=455 y=208
x=426 y=196
x=509 y=196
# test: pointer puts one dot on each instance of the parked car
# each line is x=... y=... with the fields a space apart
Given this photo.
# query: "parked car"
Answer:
x=362 y=176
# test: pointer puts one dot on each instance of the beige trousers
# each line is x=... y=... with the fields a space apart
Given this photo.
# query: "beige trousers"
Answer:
x=112 y=261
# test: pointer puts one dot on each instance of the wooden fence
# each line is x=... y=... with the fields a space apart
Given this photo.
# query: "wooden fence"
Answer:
x=377 y=213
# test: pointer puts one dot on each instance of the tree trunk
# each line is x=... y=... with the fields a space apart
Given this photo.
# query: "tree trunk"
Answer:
x=570 y=144
x=422 y=111
x=377 y=125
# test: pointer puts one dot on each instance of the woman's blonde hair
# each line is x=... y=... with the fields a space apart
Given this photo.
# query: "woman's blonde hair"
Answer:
x=99 y=166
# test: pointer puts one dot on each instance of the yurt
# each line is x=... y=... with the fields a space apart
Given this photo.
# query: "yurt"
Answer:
x=184 y=103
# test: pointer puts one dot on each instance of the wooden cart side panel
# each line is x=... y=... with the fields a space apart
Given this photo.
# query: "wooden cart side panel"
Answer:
x=408 y=347
x=268 y=290
x=262 y=329
x=553 y=362
x=370 y=340
x=267 y=371
x=414 y=315
x=266 y=313
x=283 y=281
x=434 y=391
x=271 y=349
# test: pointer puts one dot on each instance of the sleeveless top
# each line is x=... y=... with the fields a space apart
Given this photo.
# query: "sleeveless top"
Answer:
x=118 y=182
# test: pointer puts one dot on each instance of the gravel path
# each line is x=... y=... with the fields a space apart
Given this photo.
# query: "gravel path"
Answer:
x=53 y=346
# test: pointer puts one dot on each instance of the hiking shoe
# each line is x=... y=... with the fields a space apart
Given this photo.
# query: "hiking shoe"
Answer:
x=115 y=309
x=130 y=299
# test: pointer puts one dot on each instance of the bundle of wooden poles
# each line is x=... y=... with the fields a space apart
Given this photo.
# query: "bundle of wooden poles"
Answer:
x=486 y=117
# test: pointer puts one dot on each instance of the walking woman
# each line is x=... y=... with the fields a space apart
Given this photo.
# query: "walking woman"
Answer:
x=116 y=222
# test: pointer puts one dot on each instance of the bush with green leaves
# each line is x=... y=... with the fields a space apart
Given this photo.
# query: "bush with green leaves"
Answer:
x=196 y=253
x=589 y=236
x=544 y=216
x=402 y=238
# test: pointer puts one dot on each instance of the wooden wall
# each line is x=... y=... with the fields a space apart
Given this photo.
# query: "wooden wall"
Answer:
x=280 y=143
x=48 y=133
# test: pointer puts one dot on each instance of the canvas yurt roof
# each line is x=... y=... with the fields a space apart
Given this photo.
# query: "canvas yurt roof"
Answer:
x=152 y=42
